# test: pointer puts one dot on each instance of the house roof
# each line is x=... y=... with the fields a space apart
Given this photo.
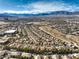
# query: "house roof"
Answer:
x=10 y=31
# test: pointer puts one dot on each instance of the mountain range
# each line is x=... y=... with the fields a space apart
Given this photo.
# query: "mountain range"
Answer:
x=41 y=14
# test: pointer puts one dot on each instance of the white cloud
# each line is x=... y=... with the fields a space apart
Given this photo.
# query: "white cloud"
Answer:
x=41 y=7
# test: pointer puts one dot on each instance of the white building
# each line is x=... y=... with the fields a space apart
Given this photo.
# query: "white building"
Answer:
x=10 y=31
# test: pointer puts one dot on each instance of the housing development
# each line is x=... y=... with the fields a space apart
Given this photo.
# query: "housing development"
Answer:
x=49 y=37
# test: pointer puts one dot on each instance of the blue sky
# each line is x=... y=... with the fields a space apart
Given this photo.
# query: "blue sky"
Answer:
x=37 y=6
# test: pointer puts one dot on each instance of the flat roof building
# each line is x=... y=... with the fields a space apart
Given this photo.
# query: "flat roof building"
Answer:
x=10 y=31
